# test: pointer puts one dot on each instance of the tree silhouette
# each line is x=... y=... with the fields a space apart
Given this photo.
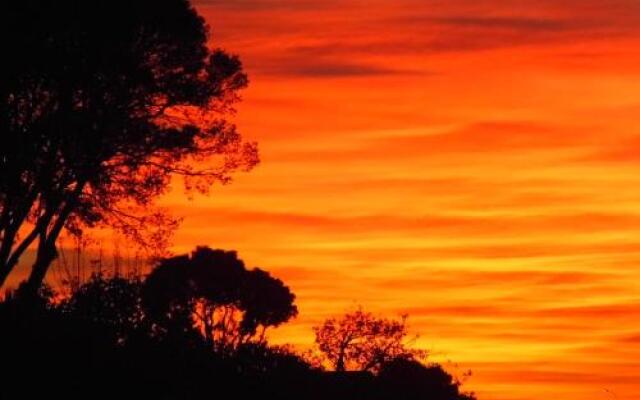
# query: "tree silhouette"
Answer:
x=361 y=341
x=213 y=291
x=101 y=103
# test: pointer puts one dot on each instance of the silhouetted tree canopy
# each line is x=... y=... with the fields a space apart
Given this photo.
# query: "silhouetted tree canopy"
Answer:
x=230 y=304
x=101 y=103
x=360 y=341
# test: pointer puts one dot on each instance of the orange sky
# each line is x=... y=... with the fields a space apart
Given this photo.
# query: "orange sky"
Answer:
x=473 y=163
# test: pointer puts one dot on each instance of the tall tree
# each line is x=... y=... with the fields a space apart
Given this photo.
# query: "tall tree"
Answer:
x=101 y=103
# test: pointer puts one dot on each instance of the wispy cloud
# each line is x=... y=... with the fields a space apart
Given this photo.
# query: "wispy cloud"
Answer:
x=473 y=162
x=293 y=67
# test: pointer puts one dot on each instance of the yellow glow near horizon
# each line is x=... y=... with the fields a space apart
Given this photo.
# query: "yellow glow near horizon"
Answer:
x=473 y=164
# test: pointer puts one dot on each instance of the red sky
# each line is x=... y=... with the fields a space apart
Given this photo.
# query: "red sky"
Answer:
x=473 y=163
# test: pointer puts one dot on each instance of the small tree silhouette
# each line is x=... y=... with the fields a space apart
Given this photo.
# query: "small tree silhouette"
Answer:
x=363 y=342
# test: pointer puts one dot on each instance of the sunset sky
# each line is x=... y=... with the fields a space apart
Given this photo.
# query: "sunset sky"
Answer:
x=475 y=164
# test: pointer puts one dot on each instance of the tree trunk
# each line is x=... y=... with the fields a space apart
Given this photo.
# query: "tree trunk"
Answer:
x=340 y=367
x=10 y=263
x=46 y=254
x=4 y=274
x=47 y=247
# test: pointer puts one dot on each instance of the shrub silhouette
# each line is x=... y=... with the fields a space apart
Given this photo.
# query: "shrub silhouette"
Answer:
x=113 y=303
x=409 y=379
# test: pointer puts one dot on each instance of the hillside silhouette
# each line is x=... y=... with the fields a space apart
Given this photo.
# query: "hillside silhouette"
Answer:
x=116 y=337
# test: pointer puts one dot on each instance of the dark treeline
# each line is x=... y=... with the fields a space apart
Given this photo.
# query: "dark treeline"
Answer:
x=195 y=327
